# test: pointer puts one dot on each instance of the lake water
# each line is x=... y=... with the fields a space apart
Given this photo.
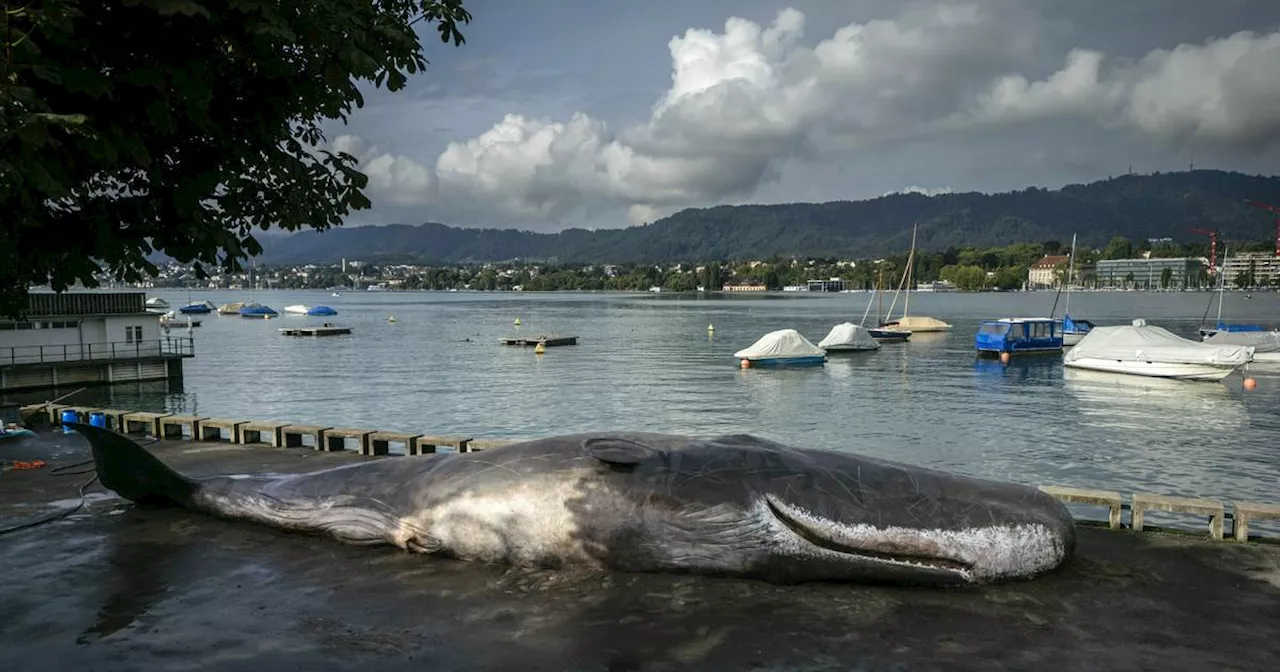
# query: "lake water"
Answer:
x=647 y=362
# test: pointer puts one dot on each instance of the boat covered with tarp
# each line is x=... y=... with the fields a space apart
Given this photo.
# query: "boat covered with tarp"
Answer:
x=1265 y=344
x=848 y=336
x=321 y=310
x=784 y=347
x=257 y=310
x=1147 y=350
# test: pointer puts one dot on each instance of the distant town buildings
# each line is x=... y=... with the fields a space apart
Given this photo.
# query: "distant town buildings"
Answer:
x=1043 y=273
x=1157 y=273
x=828 y=285
x=1252 y=268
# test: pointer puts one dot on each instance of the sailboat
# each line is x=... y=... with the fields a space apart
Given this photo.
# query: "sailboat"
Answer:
x=1072 y=330
x=912 y=323
x=882 y=335
x=1206 y=332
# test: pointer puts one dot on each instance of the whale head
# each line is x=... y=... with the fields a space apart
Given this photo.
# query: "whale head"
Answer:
x=743 y=505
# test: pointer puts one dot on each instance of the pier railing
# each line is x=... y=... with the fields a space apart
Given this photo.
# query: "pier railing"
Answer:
x=169 y=347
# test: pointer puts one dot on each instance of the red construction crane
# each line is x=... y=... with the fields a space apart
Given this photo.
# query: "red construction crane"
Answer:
x=1272 y=208
x=1213 y=248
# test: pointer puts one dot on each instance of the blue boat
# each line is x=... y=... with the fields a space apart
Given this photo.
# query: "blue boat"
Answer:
x=257 y=310
x=1018 y=336
x=203 y=308
x=322 y=310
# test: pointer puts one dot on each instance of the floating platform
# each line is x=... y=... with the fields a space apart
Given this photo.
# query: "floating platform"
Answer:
x=546 y=341
x=315 y=331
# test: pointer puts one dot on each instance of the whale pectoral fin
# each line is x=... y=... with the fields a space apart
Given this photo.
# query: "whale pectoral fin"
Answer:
x=619 y=452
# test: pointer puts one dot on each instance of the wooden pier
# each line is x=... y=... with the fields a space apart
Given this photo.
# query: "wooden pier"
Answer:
x=546 y=341
x=315 y=331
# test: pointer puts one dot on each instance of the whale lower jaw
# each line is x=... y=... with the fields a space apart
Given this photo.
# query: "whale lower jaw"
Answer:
x=975 y=555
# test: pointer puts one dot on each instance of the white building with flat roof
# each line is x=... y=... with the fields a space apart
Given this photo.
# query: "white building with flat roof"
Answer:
x=87 y=338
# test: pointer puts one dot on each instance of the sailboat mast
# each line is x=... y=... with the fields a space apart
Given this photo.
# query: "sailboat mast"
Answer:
x=1071 y=270
x=1222 y=287
x=911 y=265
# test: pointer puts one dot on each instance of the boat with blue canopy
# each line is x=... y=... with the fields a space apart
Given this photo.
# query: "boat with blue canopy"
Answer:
x=1018 y=336
x=322 y=310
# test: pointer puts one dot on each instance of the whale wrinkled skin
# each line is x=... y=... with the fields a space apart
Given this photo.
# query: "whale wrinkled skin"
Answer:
x=734 y=505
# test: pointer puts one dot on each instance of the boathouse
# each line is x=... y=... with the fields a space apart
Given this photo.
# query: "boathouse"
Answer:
x=87 y=338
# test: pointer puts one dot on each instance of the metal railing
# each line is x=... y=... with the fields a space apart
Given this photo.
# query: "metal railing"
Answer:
x=173 y=346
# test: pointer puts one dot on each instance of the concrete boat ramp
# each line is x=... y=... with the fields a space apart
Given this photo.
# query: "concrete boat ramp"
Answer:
x=115 y=586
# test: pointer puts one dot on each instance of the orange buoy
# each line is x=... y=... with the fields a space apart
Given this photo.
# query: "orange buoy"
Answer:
x=1004 y=358
x=746 y=363
x=1250 y=383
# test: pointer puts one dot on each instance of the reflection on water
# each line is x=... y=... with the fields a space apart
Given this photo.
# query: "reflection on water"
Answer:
x=647 y=362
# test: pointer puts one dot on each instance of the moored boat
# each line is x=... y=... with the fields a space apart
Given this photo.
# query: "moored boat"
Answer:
x=1018 y=336
x=848 y=337
x=296 y=309
x=257 y=310
x=784 y=347
x=1142 y=349
x=1265 y=344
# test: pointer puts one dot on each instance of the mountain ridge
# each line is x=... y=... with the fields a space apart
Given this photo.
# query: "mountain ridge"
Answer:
x=1138 y=207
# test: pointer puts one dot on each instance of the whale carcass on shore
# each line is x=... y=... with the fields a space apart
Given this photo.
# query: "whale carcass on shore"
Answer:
x=731 y=505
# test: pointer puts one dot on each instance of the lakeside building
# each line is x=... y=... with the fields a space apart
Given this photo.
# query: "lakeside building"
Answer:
x=1043 y=273
x=88 y=338
x=829 y=285
x=1264 y=265
x=1183 y=273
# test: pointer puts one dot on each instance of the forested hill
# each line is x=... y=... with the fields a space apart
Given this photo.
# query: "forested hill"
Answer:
x=1135 y=206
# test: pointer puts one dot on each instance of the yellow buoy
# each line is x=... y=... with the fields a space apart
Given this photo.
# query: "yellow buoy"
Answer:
x=711 y=327
x=539 y=349
x=517 y=322
x=391 y=318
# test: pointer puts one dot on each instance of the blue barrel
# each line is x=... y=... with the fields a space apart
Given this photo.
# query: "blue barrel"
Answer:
x=68 y=415
x=98 y=419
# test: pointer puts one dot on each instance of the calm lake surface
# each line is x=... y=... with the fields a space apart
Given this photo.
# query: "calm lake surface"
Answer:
x=647 y=362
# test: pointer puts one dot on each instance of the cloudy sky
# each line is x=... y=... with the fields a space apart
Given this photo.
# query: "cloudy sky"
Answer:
x=560 y=113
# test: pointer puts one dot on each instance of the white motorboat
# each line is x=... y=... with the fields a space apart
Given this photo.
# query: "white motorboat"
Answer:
x=296 y=309
x=848 y=336
x=1142 y=349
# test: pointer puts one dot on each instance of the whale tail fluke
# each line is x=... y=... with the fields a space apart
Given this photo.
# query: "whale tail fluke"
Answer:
x=132 y=471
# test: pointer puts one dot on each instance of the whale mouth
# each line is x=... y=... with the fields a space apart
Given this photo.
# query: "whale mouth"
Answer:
x=917 y=560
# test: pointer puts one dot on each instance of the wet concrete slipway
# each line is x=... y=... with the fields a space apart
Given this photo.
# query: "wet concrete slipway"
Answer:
x=116 y=586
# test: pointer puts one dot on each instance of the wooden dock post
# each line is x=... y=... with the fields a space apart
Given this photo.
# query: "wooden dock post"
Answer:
x=335 y=440
x=379 y=443
x=1106 y=498
x=171 y=426
x=254 y=431
x=212 y=427
x=1145 y=501
x=427 y=443
x=143 y=423
x=1243 y=512
x=292 y=435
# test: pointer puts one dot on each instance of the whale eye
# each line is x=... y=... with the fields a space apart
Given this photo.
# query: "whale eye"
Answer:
x=620 y=452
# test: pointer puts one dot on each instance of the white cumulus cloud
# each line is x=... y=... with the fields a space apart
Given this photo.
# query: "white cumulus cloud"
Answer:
x=747 y=98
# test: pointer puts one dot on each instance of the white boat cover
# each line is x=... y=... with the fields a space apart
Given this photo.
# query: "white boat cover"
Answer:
x=297 y=309
x=1148 y=343
x=848 y=336
x=1262 y=341
x=780 y=344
